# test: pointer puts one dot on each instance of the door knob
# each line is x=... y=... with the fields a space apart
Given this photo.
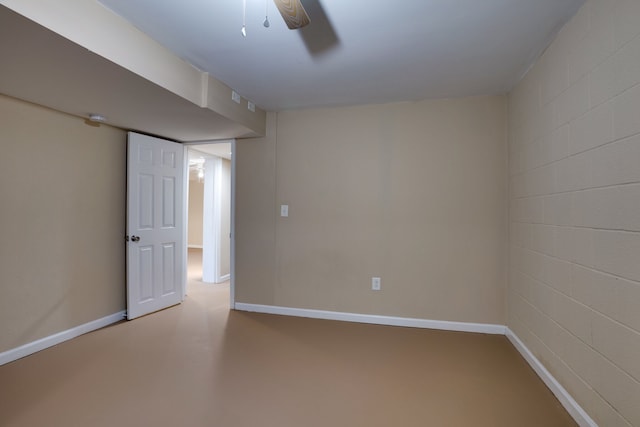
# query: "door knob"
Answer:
x=135 y=238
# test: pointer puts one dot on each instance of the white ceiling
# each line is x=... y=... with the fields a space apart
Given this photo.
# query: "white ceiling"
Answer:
x=356 y=51
x=218 y=149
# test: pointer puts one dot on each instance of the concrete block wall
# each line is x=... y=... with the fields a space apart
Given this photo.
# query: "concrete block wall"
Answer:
x=574 y=207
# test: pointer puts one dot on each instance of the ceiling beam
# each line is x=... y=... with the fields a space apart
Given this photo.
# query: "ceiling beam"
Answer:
x=95 y=28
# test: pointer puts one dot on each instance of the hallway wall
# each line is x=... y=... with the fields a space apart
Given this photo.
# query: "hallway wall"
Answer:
x=196 y=197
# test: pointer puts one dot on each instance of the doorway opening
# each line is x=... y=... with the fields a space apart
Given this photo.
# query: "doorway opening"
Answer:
x=209 y=213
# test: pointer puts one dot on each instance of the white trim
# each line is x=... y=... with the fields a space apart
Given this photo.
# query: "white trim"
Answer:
x=225 y=278
x=574 y=409
x=194 y=246
x=483 y=328
x=51 y=340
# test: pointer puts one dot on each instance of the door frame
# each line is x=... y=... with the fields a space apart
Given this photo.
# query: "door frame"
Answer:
x=232 y=255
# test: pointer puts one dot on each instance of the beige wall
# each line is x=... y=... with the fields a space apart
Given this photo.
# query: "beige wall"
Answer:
x=574 y=287
x=414 y=193
x=62 y=210
x=255 y=226
x=196 y=196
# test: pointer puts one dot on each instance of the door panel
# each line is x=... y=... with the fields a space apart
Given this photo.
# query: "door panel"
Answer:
x=155 y=224
x=168 y=268
x=168 y=202
x=145 y=200
x=145 y=278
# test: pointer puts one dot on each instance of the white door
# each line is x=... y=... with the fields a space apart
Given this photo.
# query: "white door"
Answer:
x=155 y=224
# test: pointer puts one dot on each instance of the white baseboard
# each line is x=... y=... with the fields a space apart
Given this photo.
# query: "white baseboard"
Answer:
x=484 y=328
x=194 y=246
x=224 y=278
x=574 y=409
x=51 y=340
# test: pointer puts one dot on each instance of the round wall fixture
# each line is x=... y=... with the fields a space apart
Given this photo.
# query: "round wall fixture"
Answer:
x=98 y=118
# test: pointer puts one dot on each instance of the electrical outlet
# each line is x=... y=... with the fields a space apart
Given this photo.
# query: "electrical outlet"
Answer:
x=284 y=211
x=375 y=283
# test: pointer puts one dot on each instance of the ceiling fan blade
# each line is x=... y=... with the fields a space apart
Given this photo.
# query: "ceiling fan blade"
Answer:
x=293 y=13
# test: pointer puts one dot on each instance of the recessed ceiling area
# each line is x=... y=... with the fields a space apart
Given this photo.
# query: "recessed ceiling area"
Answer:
x=356 y=51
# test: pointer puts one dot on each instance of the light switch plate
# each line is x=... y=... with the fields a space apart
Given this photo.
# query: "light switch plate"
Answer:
x=284 y=211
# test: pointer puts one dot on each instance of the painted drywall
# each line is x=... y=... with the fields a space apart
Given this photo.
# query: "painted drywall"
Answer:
x=414 y=193
x=255 y=217
x=196 y=197
x=195 y=230
x=62 y=183
x=574 y=279
x=225 y=219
